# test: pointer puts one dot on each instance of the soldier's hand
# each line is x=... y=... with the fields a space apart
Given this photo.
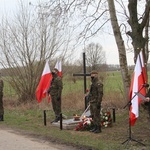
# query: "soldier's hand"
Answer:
x=147 y=99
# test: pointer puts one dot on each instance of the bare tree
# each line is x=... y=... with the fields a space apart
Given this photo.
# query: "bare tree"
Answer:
x=90 y=17
x=95 y=16
x=95 y=56
x=121 y=47
x=26 y=42
x=137 y=24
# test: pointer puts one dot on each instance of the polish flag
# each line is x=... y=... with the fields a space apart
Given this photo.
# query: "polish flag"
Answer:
x=59 y=67
x=44 y=83
x=138 y=79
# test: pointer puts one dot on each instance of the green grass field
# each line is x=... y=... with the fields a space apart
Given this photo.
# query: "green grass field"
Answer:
x=28 y=118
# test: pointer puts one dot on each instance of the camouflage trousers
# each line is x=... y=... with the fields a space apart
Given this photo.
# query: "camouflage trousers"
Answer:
x=56 y=105
x=1 y=105
x=95 y=113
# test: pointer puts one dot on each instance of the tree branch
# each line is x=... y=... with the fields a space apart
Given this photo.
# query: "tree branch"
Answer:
x=146 y=14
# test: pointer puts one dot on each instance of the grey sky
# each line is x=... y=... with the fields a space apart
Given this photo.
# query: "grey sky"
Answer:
x=8 y=7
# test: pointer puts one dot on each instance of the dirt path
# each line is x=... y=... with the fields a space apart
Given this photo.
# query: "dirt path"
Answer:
x=11 y=140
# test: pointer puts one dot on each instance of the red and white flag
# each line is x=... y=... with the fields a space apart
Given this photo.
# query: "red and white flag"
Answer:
x=59 y=67
x=44 y=83
x=138 y=79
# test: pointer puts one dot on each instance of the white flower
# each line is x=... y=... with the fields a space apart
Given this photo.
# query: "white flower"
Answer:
x=88 y=122
x=106 y=122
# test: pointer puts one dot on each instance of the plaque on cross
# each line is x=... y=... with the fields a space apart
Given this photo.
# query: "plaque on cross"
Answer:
x=84 y=74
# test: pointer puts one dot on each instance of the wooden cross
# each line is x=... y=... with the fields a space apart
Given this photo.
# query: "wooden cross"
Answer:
x=84 y=74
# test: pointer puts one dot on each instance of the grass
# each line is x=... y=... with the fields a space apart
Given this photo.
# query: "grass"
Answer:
x=24 y=120
x=29 y=119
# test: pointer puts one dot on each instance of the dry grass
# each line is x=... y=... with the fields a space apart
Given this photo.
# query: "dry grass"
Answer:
x=71 y=101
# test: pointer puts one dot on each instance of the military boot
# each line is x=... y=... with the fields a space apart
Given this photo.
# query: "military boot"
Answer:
x=52 y=121
x=93 y=129
x=57 y=119
x=98 y=130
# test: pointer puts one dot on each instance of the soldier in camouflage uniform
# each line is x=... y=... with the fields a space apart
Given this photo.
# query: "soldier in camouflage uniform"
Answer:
x=1 y=100
x=95 y=99
x=55 y=91
x=147 y=103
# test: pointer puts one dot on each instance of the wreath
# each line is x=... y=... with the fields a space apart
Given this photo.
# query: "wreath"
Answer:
x=87 y=122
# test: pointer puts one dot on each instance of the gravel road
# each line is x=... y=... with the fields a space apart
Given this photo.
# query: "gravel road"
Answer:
x=12 y=140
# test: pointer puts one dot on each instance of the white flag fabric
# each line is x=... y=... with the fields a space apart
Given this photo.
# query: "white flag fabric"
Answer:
x=137 y=81
x=59 y=67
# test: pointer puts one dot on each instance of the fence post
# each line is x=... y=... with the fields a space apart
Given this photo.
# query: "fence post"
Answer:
x=44 y=117
x=114 y=115
x=61 y=121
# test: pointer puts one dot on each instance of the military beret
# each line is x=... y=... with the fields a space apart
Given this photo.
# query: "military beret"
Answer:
x=94 y=72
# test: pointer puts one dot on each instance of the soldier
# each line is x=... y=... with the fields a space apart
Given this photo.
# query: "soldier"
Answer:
x=147 y=103
x=95 y=99
x=1 y=100
x=55 y=91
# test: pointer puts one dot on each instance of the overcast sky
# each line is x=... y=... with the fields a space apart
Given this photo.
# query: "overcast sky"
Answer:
x=8 y=7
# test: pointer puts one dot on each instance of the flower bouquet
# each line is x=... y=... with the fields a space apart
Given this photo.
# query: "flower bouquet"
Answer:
x=106 y=120
x=84 y=125
x=87 y=122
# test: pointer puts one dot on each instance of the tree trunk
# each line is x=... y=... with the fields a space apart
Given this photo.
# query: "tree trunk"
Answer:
x=147 y=38
x=121 y=48
x=136 y=33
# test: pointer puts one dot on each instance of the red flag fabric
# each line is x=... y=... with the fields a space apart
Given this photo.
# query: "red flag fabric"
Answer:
x=138 y=79
x=44 y=83
x=59 y=67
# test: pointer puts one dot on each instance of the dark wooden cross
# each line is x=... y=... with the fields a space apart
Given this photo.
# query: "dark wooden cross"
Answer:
x=84 y=74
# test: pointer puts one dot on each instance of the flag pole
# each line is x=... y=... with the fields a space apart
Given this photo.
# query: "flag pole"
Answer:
x=129 y=104
x=130 y=137
x=85 y=111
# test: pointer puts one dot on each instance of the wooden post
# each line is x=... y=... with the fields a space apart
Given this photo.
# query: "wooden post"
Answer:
x=61 y=127
x=44 y=113
x=114 y=115
x=84 y=74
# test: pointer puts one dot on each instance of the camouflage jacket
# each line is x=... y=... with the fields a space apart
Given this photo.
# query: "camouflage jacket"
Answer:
x=96 y=91
x=1 y=87
x=56 y=87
